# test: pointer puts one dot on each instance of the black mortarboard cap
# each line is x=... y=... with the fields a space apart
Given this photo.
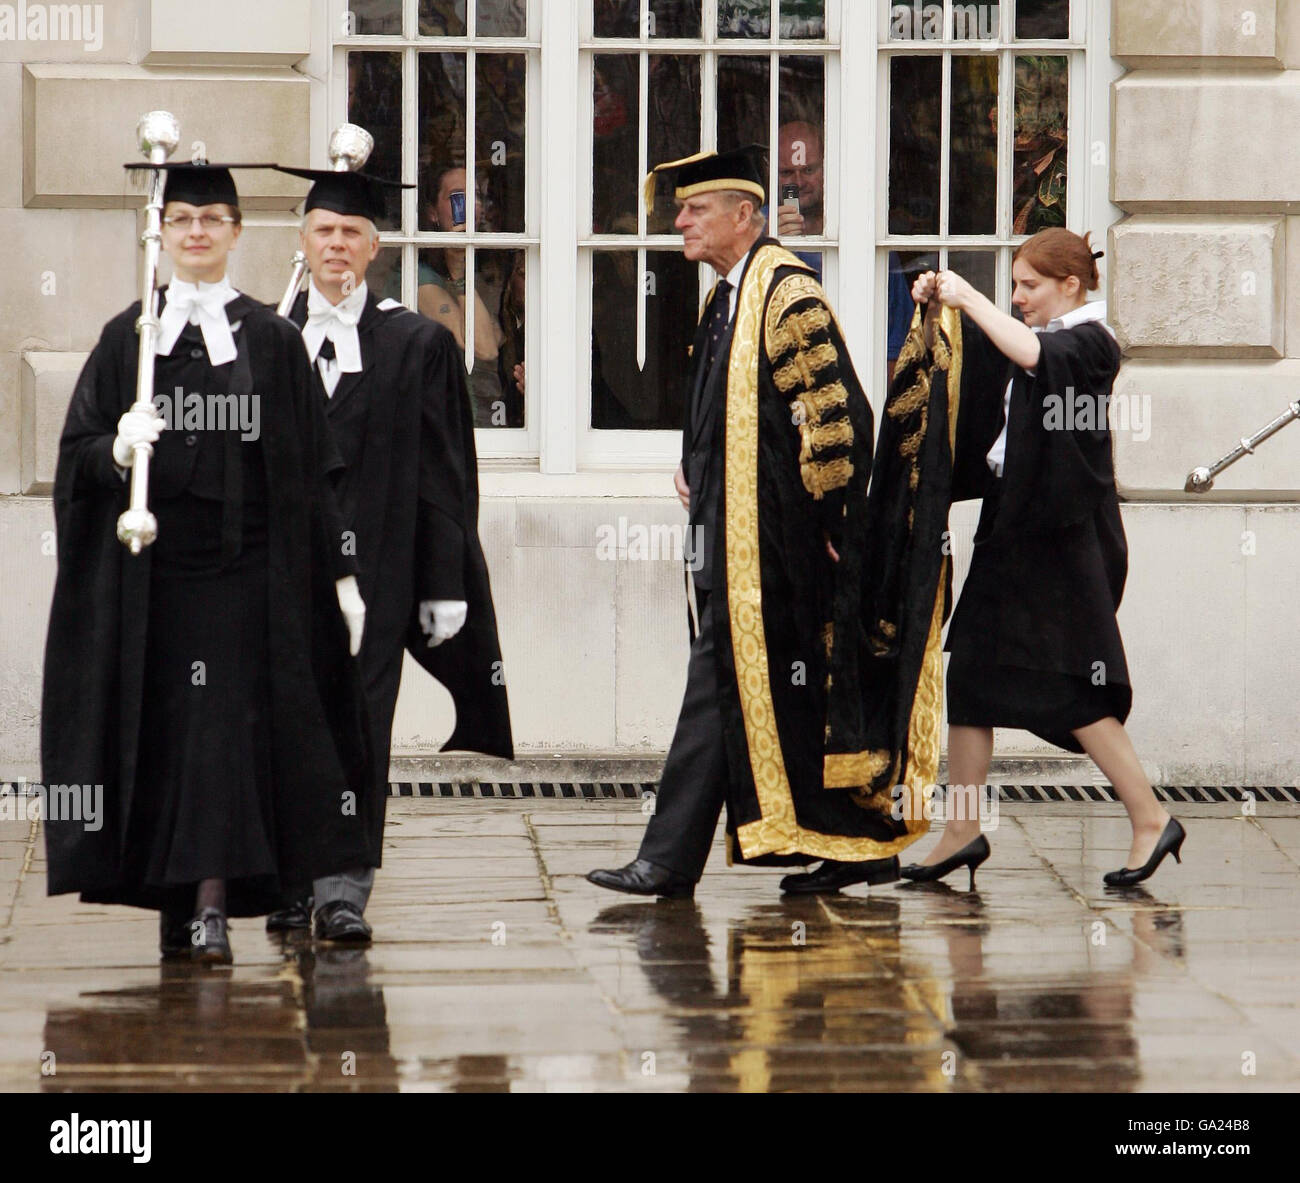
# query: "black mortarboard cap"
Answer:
x=740 y=170
x=199 y=184
x=349 y=193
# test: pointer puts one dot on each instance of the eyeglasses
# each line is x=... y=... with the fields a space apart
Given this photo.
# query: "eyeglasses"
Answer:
x=207 y=221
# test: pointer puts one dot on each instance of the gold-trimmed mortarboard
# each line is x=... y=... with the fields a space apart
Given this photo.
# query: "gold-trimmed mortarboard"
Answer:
x=712 y=172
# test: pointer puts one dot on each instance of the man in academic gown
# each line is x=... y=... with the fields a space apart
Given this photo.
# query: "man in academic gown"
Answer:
x=206 y=684
x=777 y=451
x=394 y=393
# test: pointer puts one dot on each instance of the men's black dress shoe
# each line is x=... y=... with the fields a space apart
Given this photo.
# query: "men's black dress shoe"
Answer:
x=213 y=944
x=342 y=921
x=174 y=937
x=295 y=918
x=1171 y=842
x=645 y=878
x=832 y=875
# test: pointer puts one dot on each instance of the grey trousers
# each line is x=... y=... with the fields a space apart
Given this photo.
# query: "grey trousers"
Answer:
x=353 y=886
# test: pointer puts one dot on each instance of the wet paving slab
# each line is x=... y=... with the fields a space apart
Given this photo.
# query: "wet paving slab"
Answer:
x=497 y=967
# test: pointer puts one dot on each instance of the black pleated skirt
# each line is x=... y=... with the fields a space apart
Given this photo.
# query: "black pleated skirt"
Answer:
x=203 y=803
x=983 y=692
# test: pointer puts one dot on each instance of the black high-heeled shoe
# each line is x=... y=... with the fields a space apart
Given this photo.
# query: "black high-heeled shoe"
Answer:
x=970 y=856
x=1171 y=842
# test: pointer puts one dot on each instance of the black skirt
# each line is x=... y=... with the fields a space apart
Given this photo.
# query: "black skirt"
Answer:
x=983 y=692
x=203 y=805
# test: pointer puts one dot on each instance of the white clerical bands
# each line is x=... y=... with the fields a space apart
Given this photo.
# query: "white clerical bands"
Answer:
x=203 y=305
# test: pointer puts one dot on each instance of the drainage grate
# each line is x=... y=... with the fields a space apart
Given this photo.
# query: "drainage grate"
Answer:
x=608 y=791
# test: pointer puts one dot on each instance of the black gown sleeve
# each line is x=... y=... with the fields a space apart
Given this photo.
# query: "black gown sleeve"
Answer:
x=440 y=515
x=86 y=466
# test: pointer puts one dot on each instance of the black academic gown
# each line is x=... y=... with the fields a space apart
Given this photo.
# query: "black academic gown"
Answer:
x=779 y=454
x=247 y=541
x=409 y=491
x=1035 y=632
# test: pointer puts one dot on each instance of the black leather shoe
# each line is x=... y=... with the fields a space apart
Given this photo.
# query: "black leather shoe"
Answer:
x=174 y=937
x=341 y=920
x=645 y=878
x=212 y=946
x=832 y=875
x=295 y=918
x=1171 y=842
x=971 y=855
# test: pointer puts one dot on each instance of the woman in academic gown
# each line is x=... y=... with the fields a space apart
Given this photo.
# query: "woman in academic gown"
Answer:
x=1034 y=641
x=206 y=685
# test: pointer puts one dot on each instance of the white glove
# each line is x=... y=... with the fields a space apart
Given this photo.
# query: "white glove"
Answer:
x=135 y=427
x=442 y=619
x=354 y=610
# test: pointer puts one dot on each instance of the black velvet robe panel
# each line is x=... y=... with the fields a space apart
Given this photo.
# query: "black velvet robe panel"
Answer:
x=410 y=493
x=100 y=621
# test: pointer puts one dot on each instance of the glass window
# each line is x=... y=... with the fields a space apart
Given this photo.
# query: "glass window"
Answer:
x=443 y=111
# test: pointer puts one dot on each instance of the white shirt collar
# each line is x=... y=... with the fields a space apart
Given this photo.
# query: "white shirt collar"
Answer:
x=202 y=304
x=337 y=322
x=734 y=277
x=1084 y=314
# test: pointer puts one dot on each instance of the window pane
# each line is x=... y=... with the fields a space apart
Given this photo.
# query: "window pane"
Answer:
x=973 y=168
x=803 y=20
x=744 y=102
x=615 y=18
x=384 y=276
x=1042 y=19
x=499 y=131
x=674 y=130
x=976 y=22
x=502 y=18
x=801 y=139
x=916 y=22
x=915 y=94
x=375 y=102
x=375 y=18
x=744 y=18
x=1042 y=106
x=978 y=268
x=615 y=143
x=622 y=396
x=899 y=298
x=676 y=18
x=498 y=293
x=442 y=126
x=442 y=18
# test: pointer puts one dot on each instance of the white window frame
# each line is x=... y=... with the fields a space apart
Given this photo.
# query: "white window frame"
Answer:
x=1091 y=73
x=493 y=444
x=557 y=441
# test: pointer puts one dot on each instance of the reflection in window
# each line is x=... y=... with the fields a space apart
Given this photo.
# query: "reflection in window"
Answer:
x=979 y=269
x=673 y=130
x=1042 y=19
x=375 y=102
x=914 y=125
x=803 y=20
x=624 y=397
x=744 y=18
x=973 y=171
x=744 y=101
x=1042 y=104
x=615 y=147
x=375 y=18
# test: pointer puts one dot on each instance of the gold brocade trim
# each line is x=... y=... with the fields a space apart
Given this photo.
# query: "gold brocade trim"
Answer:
x=804 y=367
x=793 y=331
x=831 y=435
x=825 y=476
x=816 y=403
x=852 y=770
x=777 y=831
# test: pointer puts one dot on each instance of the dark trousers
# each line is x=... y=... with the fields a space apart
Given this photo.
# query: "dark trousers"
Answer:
x=693 y=788
x=382 y=679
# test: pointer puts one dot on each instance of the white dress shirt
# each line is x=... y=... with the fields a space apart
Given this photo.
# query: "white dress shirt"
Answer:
x=1085 y=314
x=336 y=323
x=202 y=304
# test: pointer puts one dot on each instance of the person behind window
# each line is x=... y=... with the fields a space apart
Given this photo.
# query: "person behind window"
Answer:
x=510 y=362
x=443 y=292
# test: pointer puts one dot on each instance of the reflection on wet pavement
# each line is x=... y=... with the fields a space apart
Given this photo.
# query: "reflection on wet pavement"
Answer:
x=498 y=967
